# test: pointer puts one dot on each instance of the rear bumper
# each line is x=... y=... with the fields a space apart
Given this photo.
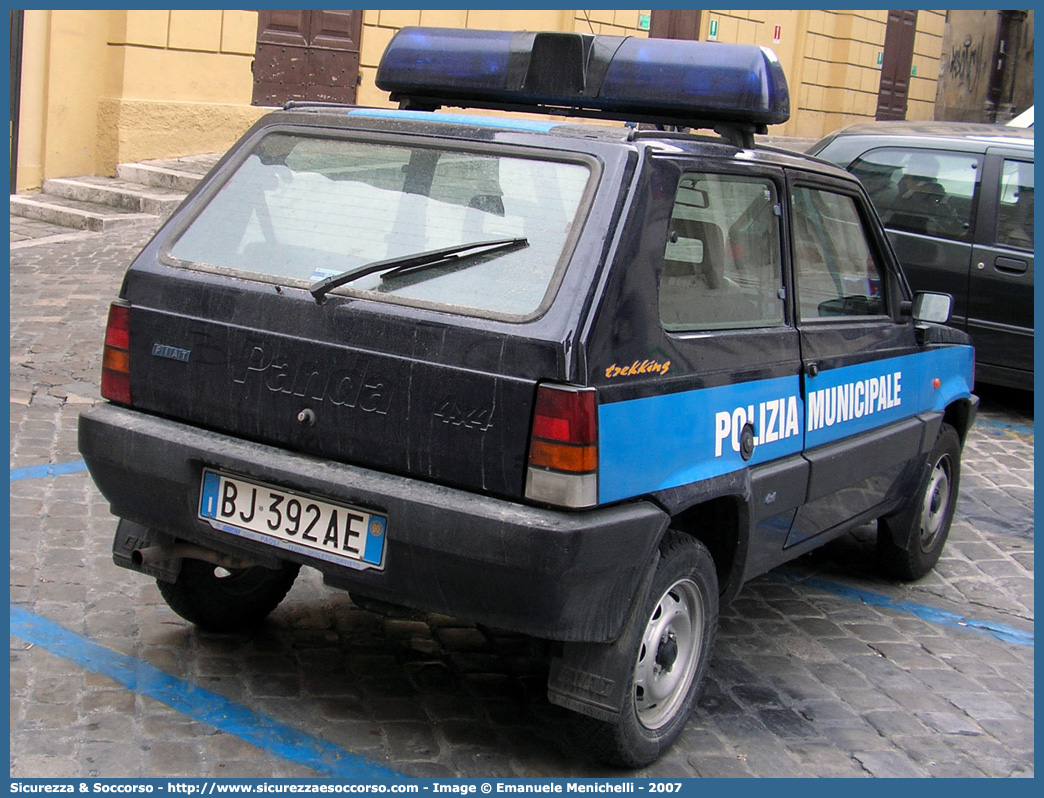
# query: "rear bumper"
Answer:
x=553 y=574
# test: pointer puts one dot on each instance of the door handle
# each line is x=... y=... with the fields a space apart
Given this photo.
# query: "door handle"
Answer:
x=1011 y=265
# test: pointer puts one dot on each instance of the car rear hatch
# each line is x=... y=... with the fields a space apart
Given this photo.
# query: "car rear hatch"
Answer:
x=288 y=304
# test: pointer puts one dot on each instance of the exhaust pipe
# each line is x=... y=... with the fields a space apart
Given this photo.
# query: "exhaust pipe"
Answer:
x=189 y=551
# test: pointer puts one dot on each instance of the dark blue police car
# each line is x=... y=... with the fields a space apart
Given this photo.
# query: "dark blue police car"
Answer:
x=580 y=381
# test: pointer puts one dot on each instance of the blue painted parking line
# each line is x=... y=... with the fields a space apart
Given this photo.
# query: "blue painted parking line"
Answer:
x=1004 y=426
x=1008 y=634
x=47 y=470
x=264 y=732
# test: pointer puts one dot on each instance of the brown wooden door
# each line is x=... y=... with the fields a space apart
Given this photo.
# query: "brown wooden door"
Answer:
x=896 y=64
x=674 y=24
x=306 y=55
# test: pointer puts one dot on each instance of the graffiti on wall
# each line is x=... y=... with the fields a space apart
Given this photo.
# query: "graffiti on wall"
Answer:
x=967 y=63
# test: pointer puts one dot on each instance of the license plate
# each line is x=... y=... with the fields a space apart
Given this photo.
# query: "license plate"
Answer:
x=293 y=521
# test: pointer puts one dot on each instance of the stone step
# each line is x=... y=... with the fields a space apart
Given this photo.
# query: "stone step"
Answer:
x=193 y=164
x=141 y=194
x=116 y=193
x=157 y=176
x=76 y=214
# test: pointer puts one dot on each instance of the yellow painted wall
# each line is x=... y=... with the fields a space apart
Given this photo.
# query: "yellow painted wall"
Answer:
x=185 y=84
x=830 y=60
x=104 y=87
x=33 y=108
x=64 y=72
x=928 y=45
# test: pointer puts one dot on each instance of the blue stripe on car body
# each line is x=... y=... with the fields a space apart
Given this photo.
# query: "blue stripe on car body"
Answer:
x=659 y=442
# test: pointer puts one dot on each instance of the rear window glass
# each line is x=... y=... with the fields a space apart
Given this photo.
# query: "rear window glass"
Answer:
x=721 y=264
x=301 y=209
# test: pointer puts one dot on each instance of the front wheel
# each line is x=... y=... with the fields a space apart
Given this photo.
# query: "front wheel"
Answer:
x=223 y=600
x=670 y=652
x=910 y=543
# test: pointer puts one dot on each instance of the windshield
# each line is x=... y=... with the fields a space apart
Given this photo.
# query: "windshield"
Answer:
x=300 y=209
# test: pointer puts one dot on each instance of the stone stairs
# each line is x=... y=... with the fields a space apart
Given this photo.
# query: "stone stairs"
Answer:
x=141 y=194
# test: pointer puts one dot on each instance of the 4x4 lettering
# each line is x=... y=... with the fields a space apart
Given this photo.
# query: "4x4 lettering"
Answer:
x=449 y=412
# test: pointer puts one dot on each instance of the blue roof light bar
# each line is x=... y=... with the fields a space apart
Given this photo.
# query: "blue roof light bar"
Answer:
x=667 y=82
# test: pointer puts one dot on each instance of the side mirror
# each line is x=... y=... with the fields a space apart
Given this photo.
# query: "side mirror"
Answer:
x=932 y=308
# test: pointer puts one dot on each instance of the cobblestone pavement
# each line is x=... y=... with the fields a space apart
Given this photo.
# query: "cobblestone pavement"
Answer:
x=822 y=668
x=31 y=232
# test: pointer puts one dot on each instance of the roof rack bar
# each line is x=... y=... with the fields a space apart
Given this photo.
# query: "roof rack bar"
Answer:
x=738 y=135
x=291 y=105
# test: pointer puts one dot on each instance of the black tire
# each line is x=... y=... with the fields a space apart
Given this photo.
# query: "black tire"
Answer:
x=222 y=600
x=671 y=650
x=910 y=542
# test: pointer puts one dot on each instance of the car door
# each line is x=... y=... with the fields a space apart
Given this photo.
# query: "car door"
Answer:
x=693 y=352
x=1000 y=287
x=858 y=357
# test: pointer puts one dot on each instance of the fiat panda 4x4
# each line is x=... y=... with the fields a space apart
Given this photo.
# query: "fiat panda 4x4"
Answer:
x=579 y=381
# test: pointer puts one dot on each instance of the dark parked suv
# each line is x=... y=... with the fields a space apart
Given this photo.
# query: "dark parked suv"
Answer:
x=957 y=200
x=579 y=381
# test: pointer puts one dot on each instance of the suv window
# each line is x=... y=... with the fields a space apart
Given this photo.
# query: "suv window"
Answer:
x=1015 y=205
x=722 y=267
x=300 y=209
x=835 y=269
x=921 y=191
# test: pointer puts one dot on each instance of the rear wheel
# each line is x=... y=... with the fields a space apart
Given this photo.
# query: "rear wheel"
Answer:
x=223 y=600
x=910 y=543
x=671 y=649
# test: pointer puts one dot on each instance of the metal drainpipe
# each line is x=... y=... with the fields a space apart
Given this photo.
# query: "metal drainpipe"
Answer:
x=17 y=23
x=1003 y=59
x=1017 y=20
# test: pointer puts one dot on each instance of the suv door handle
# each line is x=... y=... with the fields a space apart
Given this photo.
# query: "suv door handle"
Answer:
x=1010 y=265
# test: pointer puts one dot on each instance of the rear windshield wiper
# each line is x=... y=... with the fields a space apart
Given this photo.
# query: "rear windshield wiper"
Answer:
x=405 y=263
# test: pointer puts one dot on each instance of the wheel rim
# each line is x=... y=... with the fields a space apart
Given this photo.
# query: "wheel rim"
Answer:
x=668 y=654
x=936 y=504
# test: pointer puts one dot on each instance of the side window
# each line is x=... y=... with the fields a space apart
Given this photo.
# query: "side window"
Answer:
x=1015 y=206
x=834 y=266
x=722 y=267
x=921 y=191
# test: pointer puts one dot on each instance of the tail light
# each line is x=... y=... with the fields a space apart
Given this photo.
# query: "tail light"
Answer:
x=115 y=381
x=563 y=447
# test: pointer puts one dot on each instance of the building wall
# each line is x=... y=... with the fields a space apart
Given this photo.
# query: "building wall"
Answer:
x=830 y=59
x=969 y=53
x=931 y=26
x=58 y=119
x=104 y=87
